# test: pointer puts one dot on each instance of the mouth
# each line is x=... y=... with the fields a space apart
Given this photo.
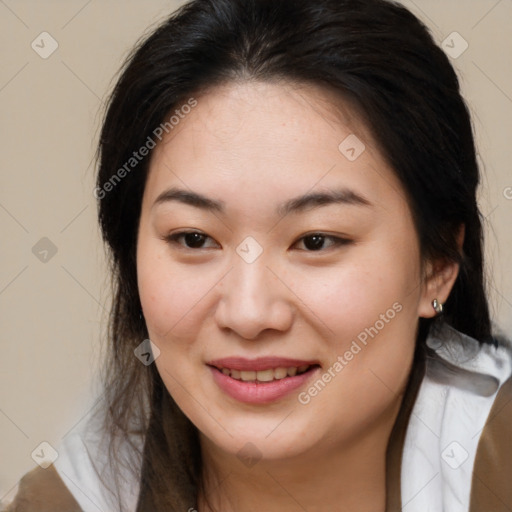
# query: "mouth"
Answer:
x=263 y=380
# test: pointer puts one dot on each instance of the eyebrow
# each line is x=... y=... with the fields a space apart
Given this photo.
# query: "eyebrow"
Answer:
x=294 y=205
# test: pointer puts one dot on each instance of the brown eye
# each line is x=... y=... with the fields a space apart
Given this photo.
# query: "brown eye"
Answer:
x=190 y=240
x=320 y=241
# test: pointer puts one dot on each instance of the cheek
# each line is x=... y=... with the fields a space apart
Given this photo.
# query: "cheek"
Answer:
x=171 y=295
x=371 y=317
x=353 y=295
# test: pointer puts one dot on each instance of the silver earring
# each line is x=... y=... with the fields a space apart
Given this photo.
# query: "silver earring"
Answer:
x=438 y=306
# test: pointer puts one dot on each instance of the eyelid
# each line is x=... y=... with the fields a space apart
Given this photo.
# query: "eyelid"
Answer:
x=336 y=240
x=174 y=237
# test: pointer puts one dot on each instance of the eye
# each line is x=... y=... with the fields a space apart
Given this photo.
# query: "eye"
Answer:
x=190 y=240
x=314 y=242
x=320 y=241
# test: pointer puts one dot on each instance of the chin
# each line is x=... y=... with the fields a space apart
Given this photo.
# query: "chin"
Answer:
x=269 y=439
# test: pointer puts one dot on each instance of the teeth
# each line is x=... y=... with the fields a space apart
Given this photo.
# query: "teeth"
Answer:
x=280 y=373
x=265 y=375
x=245 y=376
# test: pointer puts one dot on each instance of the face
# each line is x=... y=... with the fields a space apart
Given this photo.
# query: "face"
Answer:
x=279 y=271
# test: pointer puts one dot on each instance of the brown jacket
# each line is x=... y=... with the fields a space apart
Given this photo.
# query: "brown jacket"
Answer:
x=42 y=490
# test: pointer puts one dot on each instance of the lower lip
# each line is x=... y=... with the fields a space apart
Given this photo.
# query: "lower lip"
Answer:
x=260 y=392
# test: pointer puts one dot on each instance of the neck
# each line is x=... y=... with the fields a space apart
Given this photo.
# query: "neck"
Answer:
x=348 y=476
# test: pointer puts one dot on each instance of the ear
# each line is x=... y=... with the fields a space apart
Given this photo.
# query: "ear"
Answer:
x=440 y=276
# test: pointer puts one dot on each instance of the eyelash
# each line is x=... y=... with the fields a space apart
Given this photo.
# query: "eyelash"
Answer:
x=336 y=241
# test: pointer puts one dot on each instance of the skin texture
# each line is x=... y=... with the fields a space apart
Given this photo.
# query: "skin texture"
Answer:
x=253 y=146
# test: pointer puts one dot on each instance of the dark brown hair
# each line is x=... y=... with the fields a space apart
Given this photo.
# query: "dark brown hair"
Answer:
x=374 y=52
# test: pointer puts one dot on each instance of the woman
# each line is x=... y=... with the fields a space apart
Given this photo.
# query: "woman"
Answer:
x=288 y=192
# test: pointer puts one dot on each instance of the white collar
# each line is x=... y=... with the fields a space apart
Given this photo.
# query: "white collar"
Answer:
x=461 y=382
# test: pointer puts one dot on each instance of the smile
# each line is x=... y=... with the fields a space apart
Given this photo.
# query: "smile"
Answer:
x=262 y=380
x=267 y=375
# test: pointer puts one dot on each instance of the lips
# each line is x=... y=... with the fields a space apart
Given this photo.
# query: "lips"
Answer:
x=261 y=380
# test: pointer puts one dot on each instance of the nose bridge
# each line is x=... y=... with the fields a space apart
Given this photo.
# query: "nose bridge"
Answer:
x=253 y=300
x=249 y=280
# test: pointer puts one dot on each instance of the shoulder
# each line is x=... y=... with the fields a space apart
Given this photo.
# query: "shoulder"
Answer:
x=461 y=421
x=484 y=371
x=492 y=475
x=42 y=490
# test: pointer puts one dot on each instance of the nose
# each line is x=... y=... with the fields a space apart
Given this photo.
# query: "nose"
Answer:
x=253 y=300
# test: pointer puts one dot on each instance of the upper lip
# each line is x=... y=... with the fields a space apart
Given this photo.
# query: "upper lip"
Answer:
x=260 y=363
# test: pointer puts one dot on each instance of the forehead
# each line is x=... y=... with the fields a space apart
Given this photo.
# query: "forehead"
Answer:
x=270 y=140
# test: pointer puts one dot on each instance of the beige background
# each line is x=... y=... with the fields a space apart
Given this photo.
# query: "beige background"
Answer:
x=52 y=312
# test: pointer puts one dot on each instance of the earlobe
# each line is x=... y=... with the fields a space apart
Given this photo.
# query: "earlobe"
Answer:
x=437 y=287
